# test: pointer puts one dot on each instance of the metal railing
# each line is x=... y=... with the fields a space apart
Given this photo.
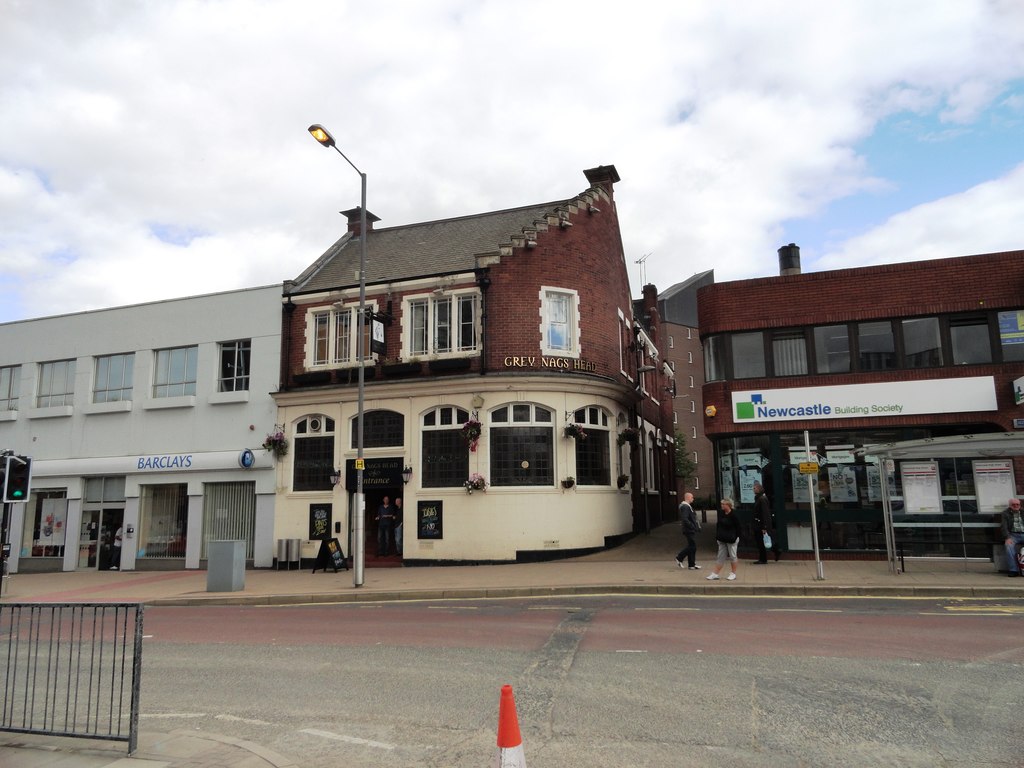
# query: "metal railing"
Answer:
x=72 y=669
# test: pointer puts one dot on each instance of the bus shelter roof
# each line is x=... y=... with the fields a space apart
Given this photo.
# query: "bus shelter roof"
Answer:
x=994 y=445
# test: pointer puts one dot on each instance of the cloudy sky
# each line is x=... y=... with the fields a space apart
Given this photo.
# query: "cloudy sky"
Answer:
x=159 y=149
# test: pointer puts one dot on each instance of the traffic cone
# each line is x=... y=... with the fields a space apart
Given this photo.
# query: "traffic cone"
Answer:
x=510 y=741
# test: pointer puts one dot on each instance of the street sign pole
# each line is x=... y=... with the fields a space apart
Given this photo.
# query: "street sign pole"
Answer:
x=812 y=493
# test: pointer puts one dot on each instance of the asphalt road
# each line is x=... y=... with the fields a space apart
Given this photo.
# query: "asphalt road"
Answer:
x=600 y=681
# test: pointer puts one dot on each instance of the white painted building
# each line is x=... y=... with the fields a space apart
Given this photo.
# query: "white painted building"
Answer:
x=147 y=418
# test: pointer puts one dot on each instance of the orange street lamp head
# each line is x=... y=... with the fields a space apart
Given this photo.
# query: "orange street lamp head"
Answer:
x=321 y=134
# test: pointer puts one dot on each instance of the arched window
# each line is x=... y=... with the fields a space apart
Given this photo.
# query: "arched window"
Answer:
x=445 y=462
x=381 y=429
x=593 y=456
x=522 y=445
x=313 y=457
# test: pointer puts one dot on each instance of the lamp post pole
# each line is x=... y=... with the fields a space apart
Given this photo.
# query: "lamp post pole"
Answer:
x=322 y=135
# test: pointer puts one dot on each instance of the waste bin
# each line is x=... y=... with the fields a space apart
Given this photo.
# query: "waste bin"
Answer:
x=282 y=553
x=294 y=553
x=225 y=566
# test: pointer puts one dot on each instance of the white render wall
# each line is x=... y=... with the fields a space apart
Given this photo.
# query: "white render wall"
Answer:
x=70 y=443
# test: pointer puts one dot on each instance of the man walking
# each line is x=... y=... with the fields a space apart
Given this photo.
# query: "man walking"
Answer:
x=763 y=525
x=688 y=518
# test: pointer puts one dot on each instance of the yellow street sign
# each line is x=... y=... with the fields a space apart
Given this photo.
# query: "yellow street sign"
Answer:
x=808 y=467
x=360 y=464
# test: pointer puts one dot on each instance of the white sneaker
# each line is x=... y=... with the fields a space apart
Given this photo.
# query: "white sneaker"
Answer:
x=731 y=577
x=681 y=565
x=712 y=577
x=694 y=567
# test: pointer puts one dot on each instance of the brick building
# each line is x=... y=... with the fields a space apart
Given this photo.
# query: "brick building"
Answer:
x=496 y=332
x=859 y=357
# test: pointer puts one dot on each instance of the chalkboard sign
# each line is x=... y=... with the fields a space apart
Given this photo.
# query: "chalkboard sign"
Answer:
x=330 y=556
x=430 y=519
x=319 y=521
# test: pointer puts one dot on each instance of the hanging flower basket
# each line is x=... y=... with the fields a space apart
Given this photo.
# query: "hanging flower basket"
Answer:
x=471 y=431
x=575 y=431
x=476 y=482
x=621 y=482
x=629 y=435
x=276 y=443
x=569 y=482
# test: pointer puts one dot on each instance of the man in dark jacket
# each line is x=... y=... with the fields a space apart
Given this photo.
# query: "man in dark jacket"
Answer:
x=727 y=533
x=688 y=518
x=763 y=525
x=1012 y=526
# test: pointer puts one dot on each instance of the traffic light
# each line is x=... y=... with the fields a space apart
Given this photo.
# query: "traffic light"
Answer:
x=18 y=478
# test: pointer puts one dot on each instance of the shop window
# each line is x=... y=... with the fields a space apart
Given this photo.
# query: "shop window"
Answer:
x=1011 y=339
x=789 y=353
x=235 y=359
x=56 y=384
x=876 y=347
x=969 y=340
x=10 y=387
x=381 y=429
x=593 y=456
x=714 y=358
x=922 y=343
x=229 y=513
x=522 y=445
x=45 y=524
x=114 y=378
x=163 y=520
x=748 y=355
x=832 y=349
x=559 y=322
x=443 y=324
x=313 y=454
x=175 y=373
x=445 y=451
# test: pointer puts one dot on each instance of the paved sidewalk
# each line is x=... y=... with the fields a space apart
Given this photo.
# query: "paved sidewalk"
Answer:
x=643 y=565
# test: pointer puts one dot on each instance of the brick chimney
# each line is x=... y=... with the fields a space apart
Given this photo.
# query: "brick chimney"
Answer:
x=789 y=259
x=353 y=220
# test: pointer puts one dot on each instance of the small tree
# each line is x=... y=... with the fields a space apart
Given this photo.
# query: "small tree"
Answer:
x=686 y=467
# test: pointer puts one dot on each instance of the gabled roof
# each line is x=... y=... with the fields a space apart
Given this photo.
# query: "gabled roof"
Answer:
x=420 y=250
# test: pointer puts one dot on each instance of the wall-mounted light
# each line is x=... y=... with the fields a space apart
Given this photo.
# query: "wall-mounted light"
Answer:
x=335 y=476
x=710 y=411
x=407 y=475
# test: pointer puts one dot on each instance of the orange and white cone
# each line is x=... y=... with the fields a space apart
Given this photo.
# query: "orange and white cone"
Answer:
x=510 y=741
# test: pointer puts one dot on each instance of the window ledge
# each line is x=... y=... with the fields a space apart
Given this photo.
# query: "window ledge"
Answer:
x=119 y=406
x=8 y=415
x=56 y=412
x=220 y=398
x=161 y=403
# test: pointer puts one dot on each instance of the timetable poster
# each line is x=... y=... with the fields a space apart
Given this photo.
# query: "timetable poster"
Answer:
x=921 y=487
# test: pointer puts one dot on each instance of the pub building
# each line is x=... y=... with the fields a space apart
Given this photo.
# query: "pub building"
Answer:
x=513 y=399
x=869 y=356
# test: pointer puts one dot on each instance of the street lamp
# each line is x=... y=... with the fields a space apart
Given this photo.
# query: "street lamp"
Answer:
x=323 y=136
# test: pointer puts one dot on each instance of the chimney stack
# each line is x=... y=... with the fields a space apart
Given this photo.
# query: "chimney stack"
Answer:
x=353 y=220
x=789 y=260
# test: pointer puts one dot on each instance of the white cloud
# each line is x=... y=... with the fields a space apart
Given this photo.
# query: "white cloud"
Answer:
x=726 y=120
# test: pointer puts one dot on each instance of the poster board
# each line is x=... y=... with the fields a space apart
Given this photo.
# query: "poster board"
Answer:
x=430 y=519
x=330 y=556
x=993 y=484
x=319 y=521
x=921 y=487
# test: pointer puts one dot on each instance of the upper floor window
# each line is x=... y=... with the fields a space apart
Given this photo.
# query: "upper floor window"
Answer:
x=445 y=462
x=832 y=348
x=876 y=346
x=560 y=322
x=714 y=358
x=748 y=355
x=332 y=337
x=789 y=353
x=313 y=456
x=969 y=339
x=1011 y=336
x=522 y=445
x=922 y=342
x=593 y=455
x=235 y=359
x=441 y=325
x=10 y=386
x=381 y=429
x=175 y=373
x=114 y=378
x=56 y=384
x=671 y=342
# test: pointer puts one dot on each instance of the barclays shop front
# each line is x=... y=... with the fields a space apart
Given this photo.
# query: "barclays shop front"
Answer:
x=938 y=506
x=143 y=512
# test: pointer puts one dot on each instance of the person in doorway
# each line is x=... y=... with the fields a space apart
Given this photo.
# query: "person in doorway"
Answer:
x=115 y=560
x=1012 y=527
x=763 y=525
x=688 y=519
x=727 y=533
x=398 y=526
x=385 y=527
